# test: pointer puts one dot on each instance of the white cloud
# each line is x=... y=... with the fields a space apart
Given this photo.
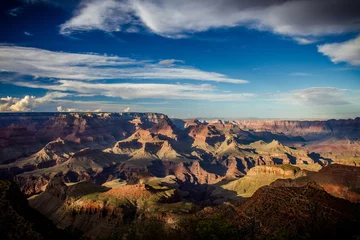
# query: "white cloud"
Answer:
x=302 y=74
x=170 y=61
x=102 y=15
x=43 y=63
x=316 y=96
x=177 y=18
x=61 y=109
x=11 y=104
x=305 y=41
x=132 y=29
x=65 y=105
x=28 y=34
x=53 y=95
x=138 y=91
x=126 y=109
x=15 y=11
x=348 y=51
x=27 y=103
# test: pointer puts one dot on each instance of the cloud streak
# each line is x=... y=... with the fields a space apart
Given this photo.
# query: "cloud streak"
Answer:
x=76 y=66
x=170 y=61
x=302 y=74
x=315 y=96
x=61 y=109
x=305 y=41
x=139 y=91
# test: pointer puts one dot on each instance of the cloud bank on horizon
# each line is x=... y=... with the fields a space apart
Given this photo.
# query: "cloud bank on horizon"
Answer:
x=74 y=80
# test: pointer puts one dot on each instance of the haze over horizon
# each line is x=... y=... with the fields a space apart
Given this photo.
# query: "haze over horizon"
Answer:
x=187 y=59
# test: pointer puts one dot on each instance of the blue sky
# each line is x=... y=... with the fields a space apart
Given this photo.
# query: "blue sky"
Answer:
x=209 y=59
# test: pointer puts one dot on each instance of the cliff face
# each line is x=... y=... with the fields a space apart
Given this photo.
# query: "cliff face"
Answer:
x=304 y=212
x=22 y=134
x=100 y=211
x=308 y=129
x=19 y=221
x=338 y=180
x=255 y=178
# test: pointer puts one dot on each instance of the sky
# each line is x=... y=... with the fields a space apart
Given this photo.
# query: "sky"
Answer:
x=226 y=59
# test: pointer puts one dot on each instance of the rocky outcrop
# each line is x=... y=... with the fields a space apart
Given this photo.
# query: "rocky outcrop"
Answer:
x=186 y=172
x=19 y=221
x=31 y=184
x=307 y=212
x=67 y=207
x=308 y=129
x=257 y=177
x=54 y=153
x=88 y=164
x=22 y=134
x=337 y=150
x=338 y=180
x=99 y=211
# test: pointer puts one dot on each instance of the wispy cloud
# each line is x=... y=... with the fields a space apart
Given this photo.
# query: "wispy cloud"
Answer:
x=139 y=91
x=99 y=15
x=28 y=34
x=15 y=11
x=170 y=61
x=302 y=74
x=61 y=109
x=345 y=68
x=178 y=18
x=348 y=51
x=61 y=65
x=315 y=96
x=132 y=29
x=126 y=109
x=305 y=41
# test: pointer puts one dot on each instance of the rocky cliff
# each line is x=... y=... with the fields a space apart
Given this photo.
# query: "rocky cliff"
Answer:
x=19 y=221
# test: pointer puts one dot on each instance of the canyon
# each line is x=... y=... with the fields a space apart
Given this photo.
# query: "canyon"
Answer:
x=103 y=173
